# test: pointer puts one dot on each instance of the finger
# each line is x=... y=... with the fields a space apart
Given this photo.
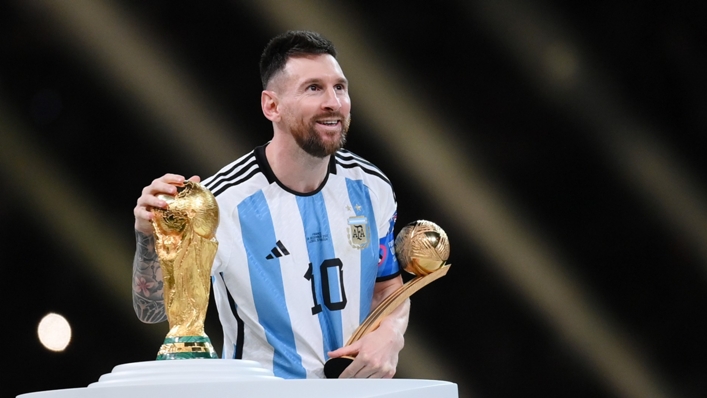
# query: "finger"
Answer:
x=143 y=220
x=159 y=186
x=352 y=370
x=195 y=179
x=348 y=350
x=366 y=369
x=148 y=201
x=142 y=214
x=168 y=184
x=380 y=371
x=172 y=178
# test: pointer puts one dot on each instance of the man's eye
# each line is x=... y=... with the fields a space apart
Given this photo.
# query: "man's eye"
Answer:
x=313 y=87
x=339 y=87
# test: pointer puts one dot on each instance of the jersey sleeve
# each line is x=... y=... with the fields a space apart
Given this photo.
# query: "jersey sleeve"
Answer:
x=388 y=266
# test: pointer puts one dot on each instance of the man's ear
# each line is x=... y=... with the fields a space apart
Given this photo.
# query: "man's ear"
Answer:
x=269 y=103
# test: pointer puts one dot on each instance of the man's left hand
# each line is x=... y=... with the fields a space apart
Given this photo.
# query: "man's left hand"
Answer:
x=376 y=354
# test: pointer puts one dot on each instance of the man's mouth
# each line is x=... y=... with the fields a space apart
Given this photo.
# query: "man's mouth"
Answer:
x=330 y=123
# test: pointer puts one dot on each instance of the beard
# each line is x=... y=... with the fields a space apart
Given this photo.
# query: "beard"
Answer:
x=307 y=137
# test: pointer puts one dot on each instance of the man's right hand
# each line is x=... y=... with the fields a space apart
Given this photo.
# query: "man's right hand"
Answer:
x=167 y=184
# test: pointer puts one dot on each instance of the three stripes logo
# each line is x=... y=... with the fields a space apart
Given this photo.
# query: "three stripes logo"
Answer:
x=275 y=253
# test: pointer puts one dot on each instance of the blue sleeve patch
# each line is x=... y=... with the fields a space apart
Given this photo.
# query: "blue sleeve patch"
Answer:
x=388 y=264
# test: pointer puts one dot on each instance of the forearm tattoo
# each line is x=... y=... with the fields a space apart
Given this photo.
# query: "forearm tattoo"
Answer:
x=148 y=289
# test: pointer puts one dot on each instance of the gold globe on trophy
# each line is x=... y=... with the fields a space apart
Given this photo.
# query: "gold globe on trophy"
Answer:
x=422 y=248
x=186 y=246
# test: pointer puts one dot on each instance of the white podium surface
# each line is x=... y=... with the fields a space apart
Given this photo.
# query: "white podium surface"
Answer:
x=221 y=378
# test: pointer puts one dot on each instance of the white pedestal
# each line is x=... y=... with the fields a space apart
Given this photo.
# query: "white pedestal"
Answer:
x=221 y=378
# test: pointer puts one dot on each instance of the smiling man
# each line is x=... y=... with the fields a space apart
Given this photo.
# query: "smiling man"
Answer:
x=306 y=230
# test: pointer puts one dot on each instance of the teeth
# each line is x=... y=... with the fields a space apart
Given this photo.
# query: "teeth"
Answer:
x=329 y=122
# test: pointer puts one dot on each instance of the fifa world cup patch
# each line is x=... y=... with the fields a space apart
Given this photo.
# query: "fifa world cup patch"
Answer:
x=359 y=232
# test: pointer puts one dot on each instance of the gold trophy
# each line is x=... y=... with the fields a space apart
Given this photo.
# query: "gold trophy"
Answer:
x=186 y=246
x=422 y=248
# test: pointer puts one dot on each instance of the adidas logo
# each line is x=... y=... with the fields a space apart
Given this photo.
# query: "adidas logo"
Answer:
x=278 y=253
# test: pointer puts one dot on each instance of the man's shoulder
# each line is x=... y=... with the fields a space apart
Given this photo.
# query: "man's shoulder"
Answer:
x=235 y=174
x=351 y=164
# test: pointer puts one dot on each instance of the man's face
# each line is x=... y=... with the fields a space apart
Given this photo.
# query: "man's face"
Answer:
x=316 y=107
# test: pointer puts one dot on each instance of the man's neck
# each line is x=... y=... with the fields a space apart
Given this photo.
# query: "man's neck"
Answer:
x=294 y=168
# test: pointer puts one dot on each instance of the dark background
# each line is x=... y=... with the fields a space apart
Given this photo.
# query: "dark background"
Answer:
x=567 y=159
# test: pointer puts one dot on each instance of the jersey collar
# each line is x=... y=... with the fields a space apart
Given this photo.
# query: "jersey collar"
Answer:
x=267 y=171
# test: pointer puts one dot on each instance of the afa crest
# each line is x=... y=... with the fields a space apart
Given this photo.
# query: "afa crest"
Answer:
x=359 y=232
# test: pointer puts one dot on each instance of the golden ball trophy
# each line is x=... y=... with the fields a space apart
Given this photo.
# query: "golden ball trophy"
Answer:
x=422 y=248
x=186 y=246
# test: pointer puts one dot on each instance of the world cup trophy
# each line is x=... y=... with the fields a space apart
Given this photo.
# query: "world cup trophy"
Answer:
x=422 y=249
x=186 y=246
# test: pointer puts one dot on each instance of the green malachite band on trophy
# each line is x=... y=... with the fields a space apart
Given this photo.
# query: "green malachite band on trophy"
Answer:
x=186 y=347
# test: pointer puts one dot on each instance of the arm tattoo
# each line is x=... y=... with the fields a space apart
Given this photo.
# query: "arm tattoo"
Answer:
x=148 y=289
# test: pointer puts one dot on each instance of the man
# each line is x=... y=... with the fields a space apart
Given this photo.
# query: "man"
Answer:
x=306 y=230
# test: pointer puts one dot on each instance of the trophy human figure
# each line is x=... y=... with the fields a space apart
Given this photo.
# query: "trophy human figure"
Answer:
x=186 y=246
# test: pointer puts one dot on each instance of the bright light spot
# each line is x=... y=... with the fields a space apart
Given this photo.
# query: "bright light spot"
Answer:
x=54 y=332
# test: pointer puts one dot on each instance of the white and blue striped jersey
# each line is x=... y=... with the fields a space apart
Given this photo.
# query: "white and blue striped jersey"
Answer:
x=294 y=273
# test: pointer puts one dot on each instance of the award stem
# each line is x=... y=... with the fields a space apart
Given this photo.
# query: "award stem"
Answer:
x=394 y=300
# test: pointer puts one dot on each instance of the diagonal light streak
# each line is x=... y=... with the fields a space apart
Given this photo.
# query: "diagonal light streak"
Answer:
x=136 y=67
x=64 y=210
x=562 y=70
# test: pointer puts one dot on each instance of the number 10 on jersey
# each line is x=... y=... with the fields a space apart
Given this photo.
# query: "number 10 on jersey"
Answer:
x=330 y=287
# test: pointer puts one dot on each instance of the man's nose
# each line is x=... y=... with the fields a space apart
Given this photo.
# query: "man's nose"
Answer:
x=331 y=100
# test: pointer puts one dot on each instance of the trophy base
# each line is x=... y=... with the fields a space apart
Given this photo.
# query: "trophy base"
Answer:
x=334 y=366
x=186 y=347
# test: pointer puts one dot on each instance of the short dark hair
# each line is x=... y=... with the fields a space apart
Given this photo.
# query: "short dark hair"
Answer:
x=291 y=44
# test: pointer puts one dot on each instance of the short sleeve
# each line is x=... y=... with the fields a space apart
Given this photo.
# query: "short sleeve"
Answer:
x=388 y=266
